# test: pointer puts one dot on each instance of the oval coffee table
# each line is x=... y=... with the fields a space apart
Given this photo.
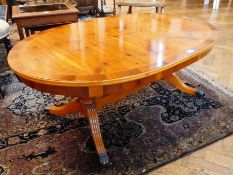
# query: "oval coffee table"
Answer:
x=102 y=60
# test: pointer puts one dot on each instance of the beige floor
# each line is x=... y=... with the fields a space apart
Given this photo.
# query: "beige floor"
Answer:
x=216 y=159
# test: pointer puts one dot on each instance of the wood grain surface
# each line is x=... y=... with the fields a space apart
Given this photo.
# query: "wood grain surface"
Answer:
x=112 y=50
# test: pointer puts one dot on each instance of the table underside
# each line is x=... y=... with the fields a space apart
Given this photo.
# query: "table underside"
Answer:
x=88 y=106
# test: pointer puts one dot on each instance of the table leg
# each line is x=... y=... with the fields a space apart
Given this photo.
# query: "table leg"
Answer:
x=179 y=84
x=27 y=32
x=20 y=30
x=130 y=10
x=88 y=108
x=96 y=133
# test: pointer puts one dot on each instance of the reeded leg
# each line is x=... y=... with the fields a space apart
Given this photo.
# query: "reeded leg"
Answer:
x=95 y=130
x=130 y=10
x=88 y=108
x=179 y=84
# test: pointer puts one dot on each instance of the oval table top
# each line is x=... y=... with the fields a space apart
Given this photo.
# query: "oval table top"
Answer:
x=110 y=50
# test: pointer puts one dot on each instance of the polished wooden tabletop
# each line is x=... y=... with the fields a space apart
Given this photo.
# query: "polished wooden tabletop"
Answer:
x=111 y=50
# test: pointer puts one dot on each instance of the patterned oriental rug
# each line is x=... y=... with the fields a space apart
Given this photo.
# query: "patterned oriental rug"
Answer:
x=147 y=129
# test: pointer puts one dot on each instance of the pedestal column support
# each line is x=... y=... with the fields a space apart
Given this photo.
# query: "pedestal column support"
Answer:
x=88 y=106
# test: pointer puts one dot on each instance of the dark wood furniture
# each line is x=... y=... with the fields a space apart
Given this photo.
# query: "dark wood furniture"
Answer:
x=40 y=17
x=102 y=60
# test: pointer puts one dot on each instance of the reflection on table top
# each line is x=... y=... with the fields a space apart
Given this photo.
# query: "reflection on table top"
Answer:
x=111 y=50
